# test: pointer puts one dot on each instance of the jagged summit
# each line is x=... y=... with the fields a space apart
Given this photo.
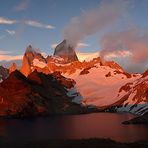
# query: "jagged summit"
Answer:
x=30 y=56
x=12 y=68
x=66 y=52
x=29 y=48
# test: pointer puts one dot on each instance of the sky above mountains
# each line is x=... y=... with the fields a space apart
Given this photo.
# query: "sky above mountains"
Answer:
x=109 y=27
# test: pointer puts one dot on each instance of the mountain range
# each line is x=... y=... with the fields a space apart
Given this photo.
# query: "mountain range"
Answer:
x=61 y=84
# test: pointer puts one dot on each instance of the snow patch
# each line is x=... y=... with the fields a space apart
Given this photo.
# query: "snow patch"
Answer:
x=38 y=63
x=77 y=98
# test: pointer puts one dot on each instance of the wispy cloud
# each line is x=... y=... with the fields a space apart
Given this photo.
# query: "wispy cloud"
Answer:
x=10 y=57
x=132 y=39
x=38 y=24
x=109 y=56
x=7 y=21
x=92 y=21
x=6 y=56
x=82 y=45
x=32 y=23
x=22 y=6
x=11 y=32
x=2 y=52
x=118 y=54
x=79 y=45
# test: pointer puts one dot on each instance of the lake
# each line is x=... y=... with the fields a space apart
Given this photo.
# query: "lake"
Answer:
x=95 y=125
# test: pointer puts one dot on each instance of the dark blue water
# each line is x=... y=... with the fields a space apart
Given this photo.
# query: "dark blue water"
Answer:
x=96 y=125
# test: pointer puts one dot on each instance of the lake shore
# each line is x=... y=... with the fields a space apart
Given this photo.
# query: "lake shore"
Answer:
x=82 y=143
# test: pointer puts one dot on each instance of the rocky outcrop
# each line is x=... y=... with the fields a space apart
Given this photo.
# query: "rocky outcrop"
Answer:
x=38 y=94
x=145 y=74
x=28 y=58
x=12 y=68
x=66 y=52
x=113 y=65
x=138 y=120
x=136 y=96
x=4 y=73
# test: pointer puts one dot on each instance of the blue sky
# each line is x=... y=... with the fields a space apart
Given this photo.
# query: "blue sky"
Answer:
x=55 y=12
x=41 y=22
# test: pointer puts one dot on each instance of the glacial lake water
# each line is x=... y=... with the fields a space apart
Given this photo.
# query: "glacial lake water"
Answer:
x=95 y=125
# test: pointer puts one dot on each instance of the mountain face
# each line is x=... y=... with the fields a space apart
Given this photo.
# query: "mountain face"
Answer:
x=13 y=67
x=4 y=72
x=66 y=52
x=99 y=83
x=136 y=93
x=38 y=94
x=138 y=120
x=31 y=59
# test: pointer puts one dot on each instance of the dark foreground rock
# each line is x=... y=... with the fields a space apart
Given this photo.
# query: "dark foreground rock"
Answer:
x=38 y=94
x=138 y=120
x=83 y=143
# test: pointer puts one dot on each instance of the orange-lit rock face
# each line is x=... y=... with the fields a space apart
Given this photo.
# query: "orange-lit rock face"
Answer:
x=126 y=87
x=12 y=68
x=38 y=94
x=27 y=63
x=52 y=63
x=135 y=99
x=145 y=74
x=71 y=67
x=112 y=64
x=26 y=67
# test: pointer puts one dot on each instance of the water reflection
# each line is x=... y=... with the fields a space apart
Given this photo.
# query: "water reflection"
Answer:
x=96 y=125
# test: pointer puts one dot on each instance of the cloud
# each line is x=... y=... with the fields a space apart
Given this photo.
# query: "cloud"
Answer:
x=82 y=45
x=32 y=23
x=22 y=6
x=132 y=67
x=133 y=40
x=38 y=24
x=10 y=57
x=87 y=56
x=79 y=45
x=6 y=56
x=118 y=54
x=7 y=64
x=129 y=65
x=2 y=52
x=11 y=32
x=109 y=56
x=7 y=21
x=90 y=22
